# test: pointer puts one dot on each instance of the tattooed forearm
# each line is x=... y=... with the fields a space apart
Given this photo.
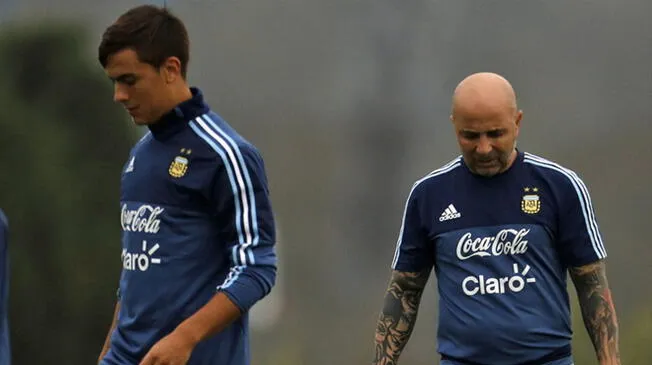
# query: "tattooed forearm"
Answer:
x=598 y=311
x=399 y=314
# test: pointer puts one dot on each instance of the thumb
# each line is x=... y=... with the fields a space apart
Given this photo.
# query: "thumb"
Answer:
x=148 y=360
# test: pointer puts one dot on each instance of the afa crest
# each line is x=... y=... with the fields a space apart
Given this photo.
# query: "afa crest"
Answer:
x=179 y=166
x=531 y=203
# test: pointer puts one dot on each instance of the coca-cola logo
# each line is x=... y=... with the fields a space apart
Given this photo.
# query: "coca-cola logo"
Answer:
x=505 y=242
x=144 y=219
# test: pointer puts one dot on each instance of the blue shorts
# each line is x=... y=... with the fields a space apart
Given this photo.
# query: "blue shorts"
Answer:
x=564 y=361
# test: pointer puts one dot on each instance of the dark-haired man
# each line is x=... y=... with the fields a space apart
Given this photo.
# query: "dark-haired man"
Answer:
x=198 y=229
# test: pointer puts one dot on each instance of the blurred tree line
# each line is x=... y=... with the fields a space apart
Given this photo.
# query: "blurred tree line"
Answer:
x=64 y=144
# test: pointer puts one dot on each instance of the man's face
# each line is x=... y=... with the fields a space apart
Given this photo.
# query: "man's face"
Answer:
x=138 y=86
x=487 y=139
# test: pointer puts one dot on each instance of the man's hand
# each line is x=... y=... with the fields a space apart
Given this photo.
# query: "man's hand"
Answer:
x=173 y=349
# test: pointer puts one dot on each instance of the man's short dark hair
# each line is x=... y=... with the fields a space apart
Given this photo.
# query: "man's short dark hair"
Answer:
x=152 y=32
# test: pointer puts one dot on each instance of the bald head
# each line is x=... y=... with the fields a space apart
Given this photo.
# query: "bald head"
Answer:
x=484 y=93
x=487 y=121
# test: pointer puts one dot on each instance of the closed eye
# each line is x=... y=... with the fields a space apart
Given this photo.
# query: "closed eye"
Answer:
x=126 y=79
x=470 y=135
x=496 y=133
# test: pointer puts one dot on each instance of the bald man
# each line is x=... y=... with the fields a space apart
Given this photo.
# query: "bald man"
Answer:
x=502 y=228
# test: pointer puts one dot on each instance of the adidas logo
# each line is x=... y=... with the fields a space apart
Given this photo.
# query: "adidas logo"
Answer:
x=130 y=168
x=449 y=213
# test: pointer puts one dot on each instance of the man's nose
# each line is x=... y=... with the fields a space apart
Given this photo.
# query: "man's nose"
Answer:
x=119 y=94
x=484 y=146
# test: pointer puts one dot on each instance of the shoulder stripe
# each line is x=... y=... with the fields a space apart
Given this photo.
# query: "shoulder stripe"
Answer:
x=249 y=188
x=583 y=196
x=440 y=171
x=237 y=179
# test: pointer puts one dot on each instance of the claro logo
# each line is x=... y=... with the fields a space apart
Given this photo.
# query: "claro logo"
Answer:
x=140 y=261
x=481 y=285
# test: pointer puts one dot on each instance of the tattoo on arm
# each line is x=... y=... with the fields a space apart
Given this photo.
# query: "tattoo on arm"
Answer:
x=598 y=310
x=399 y=314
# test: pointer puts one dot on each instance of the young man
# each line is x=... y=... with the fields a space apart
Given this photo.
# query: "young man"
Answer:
x=5 y=350
x=198 y=227
x=501 y=229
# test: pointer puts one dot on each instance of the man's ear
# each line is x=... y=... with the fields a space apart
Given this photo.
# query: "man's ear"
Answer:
x=171 y=69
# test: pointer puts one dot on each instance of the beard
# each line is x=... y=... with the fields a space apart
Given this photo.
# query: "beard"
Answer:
x=490 y=164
